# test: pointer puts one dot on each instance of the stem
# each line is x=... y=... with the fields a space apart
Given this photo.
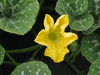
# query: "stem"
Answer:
x=74 y=57
x=41 y=3
x=72 y=54
x=77 y=32
x=32 y=31
x=72 y=66
x=14 y=62
x=24 y=50
x=35 y=53
x=11 y=63
x=52 y=8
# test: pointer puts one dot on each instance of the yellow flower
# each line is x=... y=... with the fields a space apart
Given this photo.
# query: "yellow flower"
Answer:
x=54 y=37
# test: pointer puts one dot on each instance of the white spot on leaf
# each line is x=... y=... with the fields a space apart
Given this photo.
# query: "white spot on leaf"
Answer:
x=27 y=66
x=30 y=70
x=92 y=70
x=90 y=49
x=22 y=73
x=37 y=72
x=44 y=73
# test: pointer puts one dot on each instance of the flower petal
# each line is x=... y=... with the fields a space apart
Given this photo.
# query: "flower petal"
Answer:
x=42 y=38
x=67 y=38
x=56 y=54
x=48 y=22
x=62 y=22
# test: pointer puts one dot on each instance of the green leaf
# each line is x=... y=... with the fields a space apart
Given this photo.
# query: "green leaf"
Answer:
x=20 y=17
x=2 y=54
x=32 y=68
x=95 y=26
x=81 y=22
x=71 y=7
x=91 y=29
x=94 y=5
x=94 y=68
x=90 y=47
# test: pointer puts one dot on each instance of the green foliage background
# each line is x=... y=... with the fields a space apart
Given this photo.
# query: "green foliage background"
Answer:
x=19 y=16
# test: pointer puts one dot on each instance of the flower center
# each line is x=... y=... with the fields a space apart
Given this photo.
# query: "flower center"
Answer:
x=52 y=35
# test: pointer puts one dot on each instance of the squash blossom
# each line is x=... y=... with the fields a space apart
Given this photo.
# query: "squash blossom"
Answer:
x=54 y=37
